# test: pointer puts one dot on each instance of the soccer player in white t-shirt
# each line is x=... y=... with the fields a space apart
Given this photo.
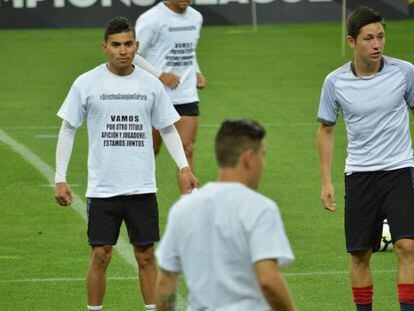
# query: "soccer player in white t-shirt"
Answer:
x=374 y=93
x=227 y=239
x=168 y=34
x=120 y=104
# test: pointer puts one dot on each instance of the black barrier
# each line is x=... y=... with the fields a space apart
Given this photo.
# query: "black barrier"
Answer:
x=95 y=13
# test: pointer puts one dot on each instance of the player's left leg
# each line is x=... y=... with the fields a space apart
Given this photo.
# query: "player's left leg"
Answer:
x=141 y=220
x=399 y=203
x=147 y=271
x=404 y=248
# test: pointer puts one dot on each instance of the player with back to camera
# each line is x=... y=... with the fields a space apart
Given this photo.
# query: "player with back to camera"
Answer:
x=374 y=93
x=168 y=34
x=120 y=104
x=226 y=238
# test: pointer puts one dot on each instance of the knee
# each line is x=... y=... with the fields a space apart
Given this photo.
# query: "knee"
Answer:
x=101 y=256
x=360 y=260
x=145 y=257
x=404 y=249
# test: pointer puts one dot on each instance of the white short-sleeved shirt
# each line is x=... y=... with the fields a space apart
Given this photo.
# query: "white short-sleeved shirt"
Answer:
x=375 y=111
x=119 y=111
x=214 y=236
x=168 y=40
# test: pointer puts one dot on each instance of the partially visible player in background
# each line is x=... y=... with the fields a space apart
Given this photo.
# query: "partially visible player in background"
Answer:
x=168 y=34
x=374 y=93
x=120 y=104
x=227 y=239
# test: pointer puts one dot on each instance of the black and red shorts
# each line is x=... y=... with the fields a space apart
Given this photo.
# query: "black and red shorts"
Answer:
x=370 y=197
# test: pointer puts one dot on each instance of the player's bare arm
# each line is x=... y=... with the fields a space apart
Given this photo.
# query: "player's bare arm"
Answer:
x=325 y=141
x=170 y=80
x=201 y=81
x=187 y=181
x=63 y=194
x=273 y=285
x=166 y=290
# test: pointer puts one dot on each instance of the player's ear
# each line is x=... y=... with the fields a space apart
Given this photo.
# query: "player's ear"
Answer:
x=351 y=41
x=103 y=46
x=137 y=42
x=247 y=157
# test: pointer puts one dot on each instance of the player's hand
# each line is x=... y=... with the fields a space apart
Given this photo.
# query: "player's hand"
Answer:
x=63 y=194
x=328 y=197
x=187 y=181
x=170 y=80
x=201 y=81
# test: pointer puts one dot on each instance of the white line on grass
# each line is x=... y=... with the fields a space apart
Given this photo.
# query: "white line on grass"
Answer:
x=129 y=278
x=202 y=125
x=123 y=247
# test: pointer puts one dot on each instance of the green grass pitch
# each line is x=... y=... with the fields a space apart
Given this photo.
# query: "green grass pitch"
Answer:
x=273 y=76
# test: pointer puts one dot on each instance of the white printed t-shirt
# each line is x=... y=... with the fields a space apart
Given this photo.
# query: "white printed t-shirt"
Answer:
x=168 y=41
x=119 y=111
x=214 y=236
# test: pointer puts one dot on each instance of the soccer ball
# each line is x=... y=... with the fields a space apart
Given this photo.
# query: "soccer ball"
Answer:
x=386 y=242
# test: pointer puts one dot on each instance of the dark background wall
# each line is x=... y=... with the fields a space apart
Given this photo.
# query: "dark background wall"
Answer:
x=94 y=13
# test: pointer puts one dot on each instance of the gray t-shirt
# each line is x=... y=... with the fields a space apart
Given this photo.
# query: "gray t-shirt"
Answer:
x=214 y=236
x=375 y=113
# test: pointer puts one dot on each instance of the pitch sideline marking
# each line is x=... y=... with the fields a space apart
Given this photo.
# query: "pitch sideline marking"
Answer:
x=129 y=278
x=123 y=247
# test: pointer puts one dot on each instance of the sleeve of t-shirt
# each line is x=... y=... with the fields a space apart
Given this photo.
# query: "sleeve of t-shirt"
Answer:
x=167 y=252
x=268 y=239
x=73 y=109
x=145 y=34
x=409 y=94
x=328 y=106
x=163 y=113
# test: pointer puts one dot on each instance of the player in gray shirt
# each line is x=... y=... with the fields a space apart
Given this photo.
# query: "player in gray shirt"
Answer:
x=374 y=93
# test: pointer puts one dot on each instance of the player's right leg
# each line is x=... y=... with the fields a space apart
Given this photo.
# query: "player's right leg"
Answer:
x=363 y=224
x=96 y=280
x=104 y=222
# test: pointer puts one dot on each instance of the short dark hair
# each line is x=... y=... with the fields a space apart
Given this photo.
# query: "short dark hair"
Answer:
x=361 y=17
x=117 y=25
x=236 y=136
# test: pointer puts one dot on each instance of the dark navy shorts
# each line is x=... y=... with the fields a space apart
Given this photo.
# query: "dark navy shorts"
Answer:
x=139 y=212
x=370 y=197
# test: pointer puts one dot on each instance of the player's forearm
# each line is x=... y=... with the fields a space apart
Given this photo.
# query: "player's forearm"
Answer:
x=278 y=295
x=166 y=290
x=64 y=150
x=144 y=64
x=174 y=145
x=325 y=142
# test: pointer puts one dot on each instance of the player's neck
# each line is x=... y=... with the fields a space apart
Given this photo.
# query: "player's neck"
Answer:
x=228 y=174
x=124 y=71
x=175 y=9
x=363 y=68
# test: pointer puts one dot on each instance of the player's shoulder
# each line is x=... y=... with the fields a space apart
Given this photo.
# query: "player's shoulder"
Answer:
x=151 y=15
x=340 y=72
x=194 y=13
x=401 y=64
x=90 y=76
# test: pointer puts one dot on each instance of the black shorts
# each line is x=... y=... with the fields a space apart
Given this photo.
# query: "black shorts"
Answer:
x=190 y=109
x=370 y=197
x=140 y=213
